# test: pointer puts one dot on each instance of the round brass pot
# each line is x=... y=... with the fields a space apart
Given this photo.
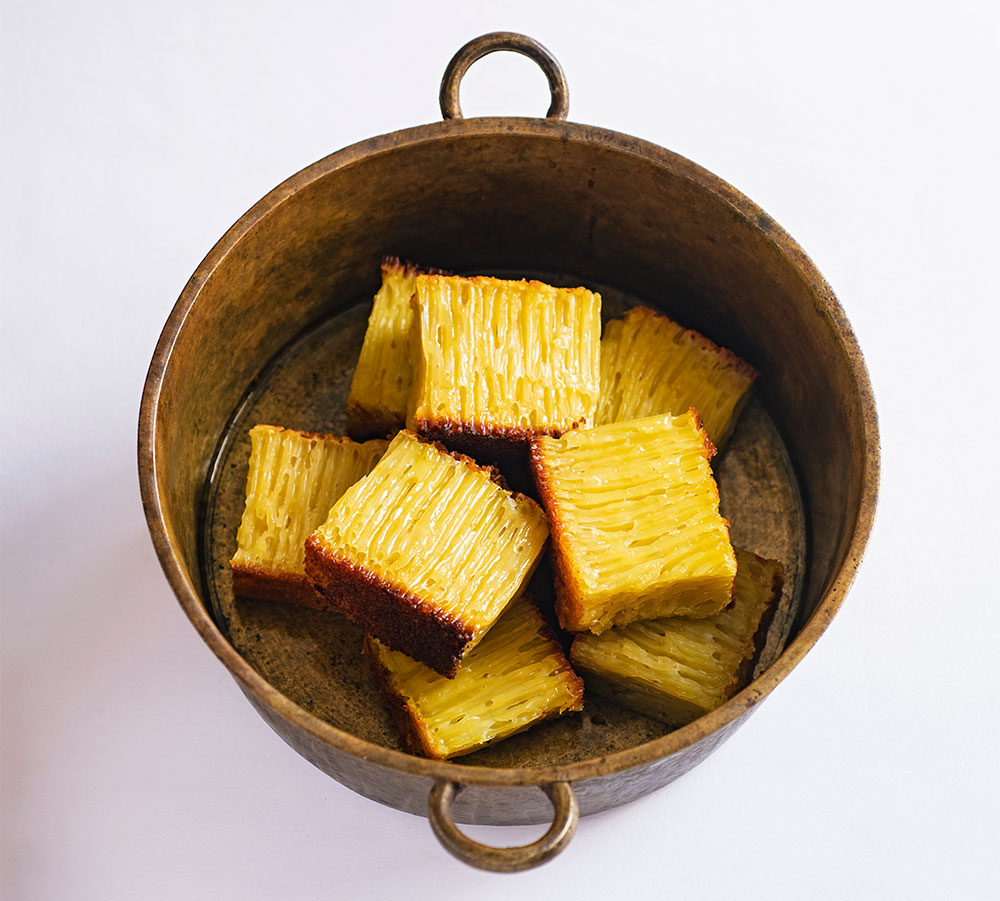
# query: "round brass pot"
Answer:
x=531 y=195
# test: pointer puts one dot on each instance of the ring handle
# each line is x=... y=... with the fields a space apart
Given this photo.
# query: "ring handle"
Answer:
x=479 y=47
x=504 y=860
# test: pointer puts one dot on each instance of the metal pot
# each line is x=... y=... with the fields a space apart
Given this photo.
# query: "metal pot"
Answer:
x=494 y=195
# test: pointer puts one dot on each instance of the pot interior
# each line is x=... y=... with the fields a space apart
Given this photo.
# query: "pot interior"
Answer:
x=314 y=657
x=269 y=329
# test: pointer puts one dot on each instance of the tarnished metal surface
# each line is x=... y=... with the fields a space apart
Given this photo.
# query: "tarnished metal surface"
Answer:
x=314 y=657
x=479 y=47
x=526 y=195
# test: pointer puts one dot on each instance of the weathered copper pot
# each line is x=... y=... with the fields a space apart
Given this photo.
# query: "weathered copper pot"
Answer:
x=531 y=196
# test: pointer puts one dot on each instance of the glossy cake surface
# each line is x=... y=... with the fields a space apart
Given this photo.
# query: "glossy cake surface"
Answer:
x=498 y=361
x=383 y=377
x=293 y=480
x=636 y=529
x=650 y=365
x=515 y=677
x=427 y=551
x=677 y=668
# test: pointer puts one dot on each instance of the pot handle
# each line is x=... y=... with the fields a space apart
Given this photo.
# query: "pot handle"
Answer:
x=504 y=860
x=479 y=47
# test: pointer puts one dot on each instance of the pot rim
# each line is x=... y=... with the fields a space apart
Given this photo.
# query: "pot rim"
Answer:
x=500 y=127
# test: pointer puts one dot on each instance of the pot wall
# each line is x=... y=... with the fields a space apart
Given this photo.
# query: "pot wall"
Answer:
x=486 y=805
x=508 y=194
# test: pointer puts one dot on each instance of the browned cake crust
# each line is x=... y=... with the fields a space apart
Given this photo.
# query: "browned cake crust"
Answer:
x=415 y=737
x=392 y=614
x=481 y=441
x=567 y=598
x=489 y=469
x=710 y=449
x=406 y=267
x=745 y=672
x=517 y=473
x=318 y=436
x=363 y=425
x=274 y=585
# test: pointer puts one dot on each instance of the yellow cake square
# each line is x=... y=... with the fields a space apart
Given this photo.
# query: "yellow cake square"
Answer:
x=515 y=677
x=427 y=551
x=650 y=365
x=498 y=362
x=676 y=669
x=383 y=376
x=293 y=480
x=634 y=513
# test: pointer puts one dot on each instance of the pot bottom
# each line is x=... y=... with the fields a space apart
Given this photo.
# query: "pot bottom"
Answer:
x=314 y=657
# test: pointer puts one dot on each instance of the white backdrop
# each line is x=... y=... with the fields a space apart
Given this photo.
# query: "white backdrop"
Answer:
x=133 y=135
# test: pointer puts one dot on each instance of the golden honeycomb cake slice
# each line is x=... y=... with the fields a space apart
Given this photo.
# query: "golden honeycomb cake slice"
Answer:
x=497 y=362
x=427 y=551
x=651 y=365
x=634 y=513
x=515 y=677
x=675 y=669
x=294 y=478
x=383 y=377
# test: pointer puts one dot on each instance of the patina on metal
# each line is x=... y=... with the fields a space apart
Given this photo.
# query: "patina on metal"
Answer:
x=491 y=43
x=251 y=332
x=566 y=816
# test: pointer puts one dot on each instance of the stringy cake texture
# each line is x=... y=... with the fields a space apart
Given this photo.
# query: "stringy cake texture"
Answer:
x=427 y=551
x=650 y=365
x=676 y=669
x=500 y=361
x=636 y=530
x=515 y=677
x=294 y=479
x=383 y=377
